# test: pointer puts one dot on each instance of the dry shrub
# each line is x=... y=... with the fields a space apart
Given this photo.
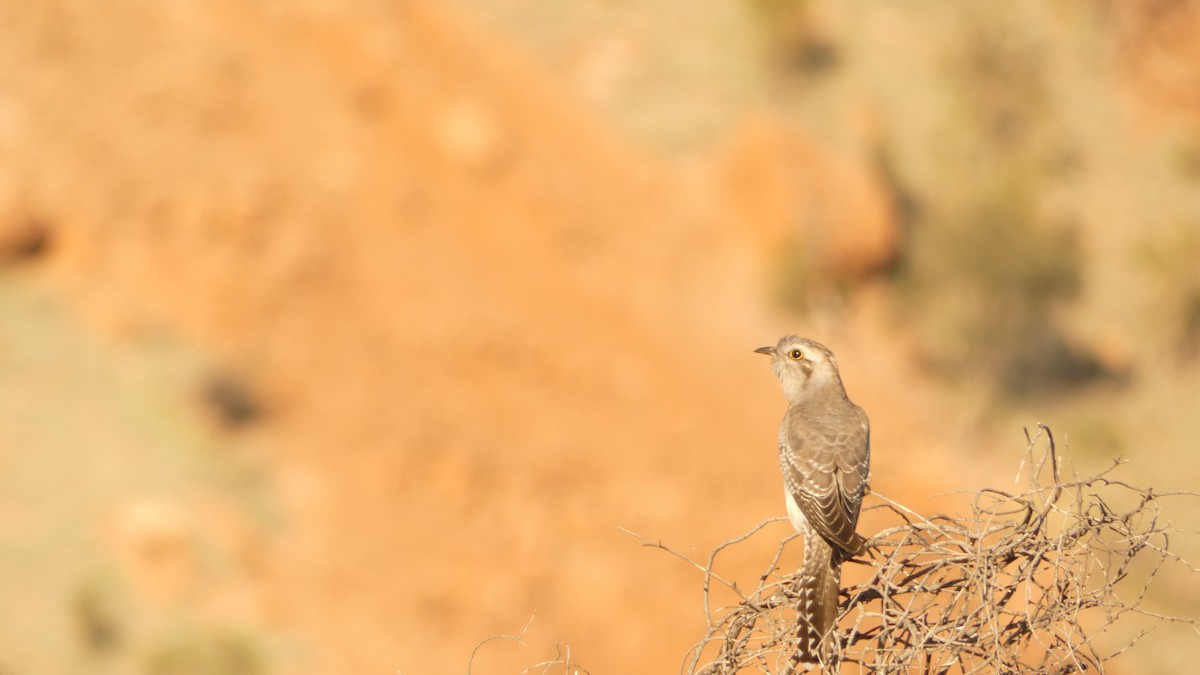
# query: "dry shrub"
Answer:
x=1031 y=581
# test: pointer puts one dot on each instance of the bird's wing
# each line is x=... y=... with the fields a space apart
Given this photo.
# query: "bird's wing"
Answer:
x=825 y=469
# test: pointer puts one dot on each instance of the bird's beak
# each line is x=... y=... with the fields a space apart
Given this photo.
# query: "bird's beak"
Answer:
x=769 y=351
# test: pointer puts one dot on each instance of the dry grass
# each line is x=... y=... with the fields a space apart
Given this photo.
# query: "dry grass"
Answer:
x=1050 y=579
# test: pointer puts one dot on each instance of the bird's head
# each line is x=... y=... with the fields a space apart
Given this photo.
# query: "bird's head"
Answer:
x=804 y=368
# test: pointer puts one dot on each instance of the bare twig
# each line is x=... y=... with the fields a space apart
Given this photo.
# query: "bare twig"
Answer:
x=1027 y=581
x=560 y=663
x=519 y=638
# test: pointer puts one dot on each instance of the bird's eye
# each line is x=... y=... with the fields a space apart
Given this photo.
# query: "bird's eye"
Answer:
x=796 y=354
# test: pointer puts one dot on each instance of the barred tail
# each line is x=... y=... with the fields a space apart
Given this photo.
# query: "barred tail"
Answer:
x=817 y=607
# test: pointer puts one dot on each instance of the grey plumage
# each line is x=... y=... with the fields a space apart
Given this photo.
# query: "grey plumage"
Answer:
x=825 y=452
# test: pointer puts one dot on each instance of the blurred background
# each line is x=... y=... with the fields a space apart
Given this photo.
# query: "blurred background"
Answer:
x=336 y=336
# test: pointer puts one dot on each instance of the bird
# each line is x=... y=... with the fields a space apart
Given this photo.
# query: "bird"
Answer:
x=825 y=454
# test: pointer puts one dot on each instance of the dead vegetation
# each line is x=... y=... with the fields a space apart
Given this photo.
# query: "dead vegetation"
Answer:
x=1048 y=579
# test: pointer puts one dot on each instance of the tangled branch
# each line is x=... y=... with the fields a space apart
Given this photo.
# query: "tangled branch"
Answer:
x=1026 y=582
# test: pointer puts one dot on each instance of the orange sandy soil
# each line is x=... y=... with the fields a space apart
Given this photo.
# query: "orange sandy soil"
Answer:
x=486 y=329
